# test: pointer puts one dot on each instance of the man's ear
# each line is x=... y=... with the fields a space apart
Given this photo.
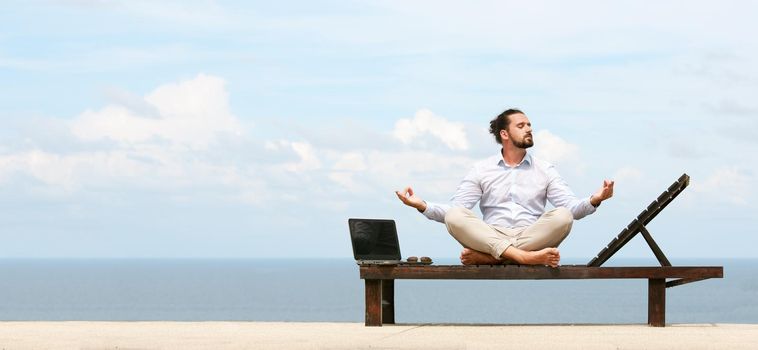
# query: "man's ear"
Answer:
x=503 y=134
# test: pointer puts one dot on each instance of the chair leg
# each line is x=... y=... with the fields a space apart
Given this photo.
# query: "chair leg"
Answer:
x=388 y=301
x=374 y=303
x=656 y=302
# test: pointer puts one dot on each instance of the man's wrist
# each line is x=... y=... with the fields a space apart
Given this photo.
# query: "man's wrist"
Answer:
x=422 y=207
x=595 y=202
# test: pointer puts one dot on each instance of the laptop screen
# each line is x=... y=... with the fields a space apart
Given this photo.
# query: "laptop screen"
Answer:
x=374 y=239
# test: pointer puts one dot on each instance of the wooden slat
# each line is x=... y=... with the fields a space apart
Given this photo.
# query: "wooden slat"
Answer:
x=652 y=208
x=661 y=205
x=664 y=196
x=685 y=179
x=648 y=213
x=524 y=272
x=676 y=185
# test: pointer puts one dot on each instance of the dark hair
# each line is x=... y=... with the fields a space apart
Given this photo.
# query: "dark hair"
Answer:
x=501 y=122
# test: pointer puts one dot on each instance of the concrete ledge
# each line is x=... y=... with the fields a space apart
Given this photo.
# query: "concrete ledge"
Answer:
x=298 y=335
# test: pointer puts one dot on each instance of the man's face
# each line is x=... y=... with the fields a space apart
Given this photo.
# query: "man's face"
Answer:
x=519 y=131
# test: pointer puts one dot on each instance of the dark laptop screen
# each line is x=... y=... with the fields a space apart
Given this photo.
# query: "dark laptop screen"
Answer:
x=374 y=239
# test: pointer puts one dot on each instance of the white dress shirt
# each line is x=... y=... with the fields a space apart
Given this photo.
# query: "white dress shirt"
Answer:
x=512 y=196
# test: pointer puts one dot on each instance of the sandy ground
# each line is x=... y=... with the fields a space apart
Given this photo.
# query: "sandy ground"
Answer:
x=285 y=335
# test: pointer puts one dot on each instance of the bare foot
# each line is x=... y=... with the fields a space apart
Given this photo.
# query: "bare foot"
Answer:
x=548 y=256
x=475 y=257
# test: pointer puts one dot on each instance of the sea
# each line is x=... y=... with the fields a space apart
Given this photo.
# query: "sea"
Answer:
x=329 y=290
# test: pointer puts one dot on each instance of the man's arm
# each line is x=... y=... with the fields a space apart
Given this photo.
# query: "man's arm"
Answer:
x=432 y=211
x=468 y=193
x=560 y=195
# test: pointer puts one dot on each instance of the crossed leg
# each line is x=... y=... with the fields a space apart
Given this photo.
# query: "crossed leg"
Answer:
x=535 y=245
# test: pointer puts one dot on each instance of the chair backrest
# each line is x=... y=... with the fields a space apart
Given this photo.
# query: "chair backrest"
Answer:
x=647 y=215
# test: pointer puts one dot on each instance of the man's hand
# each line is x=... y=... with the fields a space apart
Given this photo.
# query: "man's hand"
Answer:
x=409 y=199
x=605 y=192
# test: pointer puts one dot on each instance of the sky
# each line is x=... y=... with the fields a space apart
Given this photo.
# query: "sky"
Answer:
x=255 y=129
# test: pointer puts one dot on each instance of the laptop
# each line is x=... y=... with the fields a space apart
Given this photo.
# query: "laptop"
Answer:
x=374 y=241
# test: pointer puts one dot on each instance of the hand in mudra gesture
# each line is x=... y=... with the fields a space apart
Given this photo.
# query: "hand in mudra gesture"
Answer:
x=603 y=193
x=408 y=198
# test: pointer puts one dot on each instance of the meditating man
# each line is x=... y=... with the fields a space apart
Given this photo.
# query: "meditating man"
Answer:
x=512 y=189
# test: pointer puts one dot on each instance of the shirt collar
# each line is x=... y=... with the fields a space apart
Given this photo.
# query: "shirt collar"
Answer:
x=500 y=162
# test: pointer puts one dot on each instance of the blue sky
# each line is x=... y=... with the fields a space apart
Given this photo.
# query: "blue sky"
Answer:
x=255 y=129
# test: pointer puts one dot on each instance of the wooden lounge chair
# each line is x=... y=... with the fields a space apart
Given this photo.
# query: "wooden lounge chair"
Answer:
x=379 y=280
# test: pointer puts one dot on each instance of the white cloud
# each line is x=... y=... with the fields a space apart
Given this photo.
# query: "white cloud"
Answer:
x=452 y=134
x=371 y=172
x=68 y=173
x=47 y=168
x=345 y=167
x=308 y=158
x=432 y=173
x=124 y=170
x=554 y=149
x=167 y=147
x=726 y=184
x=168 y=143
x=192 y=114
x=276 y=145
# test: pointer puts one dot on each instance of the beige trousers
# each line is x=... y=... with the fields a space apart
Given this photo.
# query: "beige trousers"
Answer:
x=472 y=232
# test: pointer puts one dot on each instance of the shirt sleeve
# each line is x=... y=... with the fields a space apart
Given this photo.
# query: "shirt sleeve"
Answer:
x=468 y=193
x=560 y=195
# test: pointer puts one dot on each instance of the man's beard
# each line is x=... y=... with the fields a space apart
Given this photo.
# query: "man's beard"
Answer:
x=524 y=143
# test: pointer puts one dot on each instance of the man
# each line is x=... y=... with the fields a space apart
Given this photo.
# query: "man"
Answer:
x=512 y=189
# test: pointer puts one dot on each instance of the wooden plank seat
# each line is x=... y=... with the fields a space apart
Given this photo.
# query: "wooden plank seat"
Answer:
x=380 y=279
